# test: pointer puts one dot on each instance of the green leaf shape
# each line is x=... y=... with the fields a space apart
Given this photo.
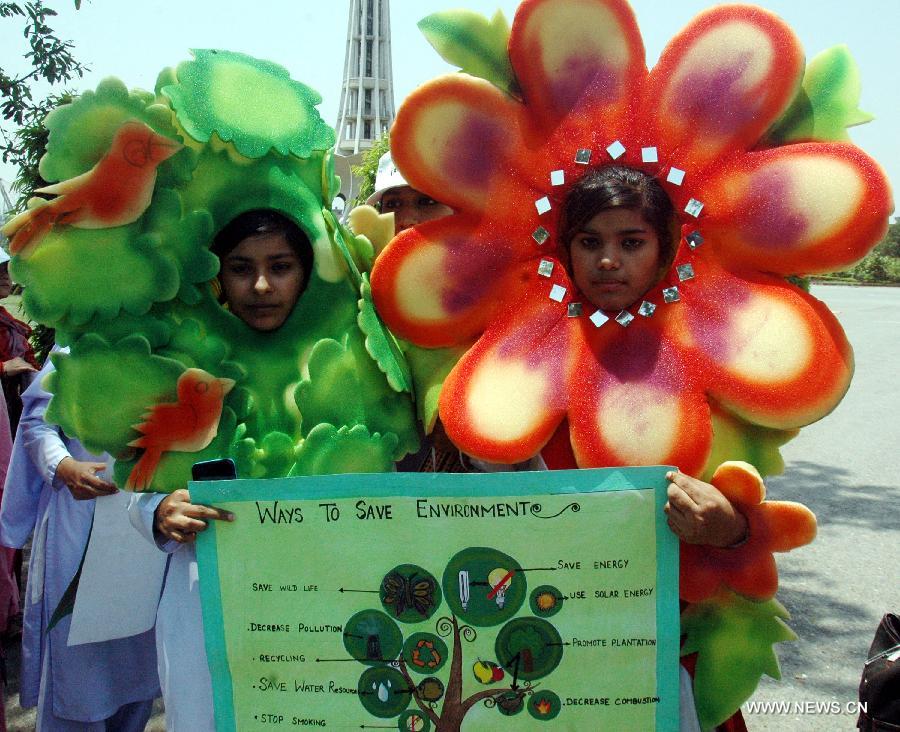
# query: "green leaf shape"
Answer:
x=328 y=450
x=76 y=274
x=251 y=103
x=164 y=78
x=274 y=458
x=429 y=368
x=290 y=186
x=342 y=251
x=196 y=347
x=735 y=439
x=278 y=454
x=156 y=331
x=85 y=378
x=246 y=458
x=380 y=344
x=733 y=639
x=827 y=104
x=360 y=249
x=476 y=45
x=346 y=388
x=81 y=132
x=185 y=239
x=331 y=182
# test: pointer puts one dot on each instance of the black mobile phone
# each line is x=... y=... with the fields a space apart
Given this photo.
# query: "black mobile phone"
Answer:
x=219 y=469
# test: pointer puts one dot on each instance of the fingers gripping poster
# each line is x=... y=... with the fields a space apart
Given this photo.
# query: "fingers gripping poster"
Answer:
x=424 y=602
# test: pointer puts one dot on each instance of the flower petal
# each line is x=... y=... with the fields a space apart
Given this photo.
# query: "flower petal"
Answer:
x=505 y=398
x=775 y=356
x=453 y=138
x=722 y=82
x=574 y=54
x=437 y=284
x=790 y=525
x=739 y=482
x=806 y=208
x=635 y=403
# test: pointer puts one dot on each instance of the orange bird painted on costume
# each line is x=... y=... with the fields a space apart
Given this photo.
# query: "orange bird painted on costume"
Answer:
x=115 y=192
x=188 y=425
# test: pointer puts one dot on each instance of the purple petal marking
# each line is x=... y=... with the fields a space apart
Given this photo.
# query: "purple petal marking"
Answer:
x=538 y=342
x=632 y=356
x=770 y=222
x=472 y=270
x=710 y=319
x=474 y=152
x=712 y=100
x=582 y=76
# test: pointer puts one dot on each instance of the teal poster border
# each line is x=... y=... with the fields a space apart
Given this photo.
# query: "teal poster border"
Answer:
x=386 y=485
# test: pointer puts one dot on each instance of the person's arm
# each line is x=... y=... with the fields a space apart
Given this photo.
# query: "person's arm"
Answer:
x=48 y=452
x=15 y=366
x=177 y=519
x=82 y=479
x=142 y=514
x=698 y=513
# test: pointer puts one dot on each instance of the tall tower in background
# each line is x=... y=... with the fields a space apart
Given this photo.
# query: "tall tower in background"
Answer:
x=367 y=93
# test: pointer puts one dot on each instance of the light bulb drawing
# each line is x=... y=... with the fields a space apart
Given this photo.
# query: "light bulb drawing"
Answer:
x=499 y=579
x=464 y=589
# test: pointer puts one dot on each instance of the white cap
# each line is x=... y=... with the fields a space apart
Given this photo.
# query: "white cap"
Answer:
x=386 y=178
x=4 y=257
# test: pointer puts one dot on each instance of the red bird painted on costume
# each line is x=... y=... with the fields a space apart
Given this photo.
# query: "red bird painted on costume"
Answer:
x=115 y=192
x=188 y=425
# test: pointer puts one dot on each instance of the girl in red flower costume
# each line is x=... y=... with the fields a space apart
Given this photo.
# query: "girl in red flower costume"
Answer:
x=722 y=359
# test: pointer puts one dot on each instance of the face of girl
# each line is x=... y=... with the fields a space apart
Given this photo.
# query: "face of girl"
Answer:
x=262 y=278
x=411 y=207
x=615 y=258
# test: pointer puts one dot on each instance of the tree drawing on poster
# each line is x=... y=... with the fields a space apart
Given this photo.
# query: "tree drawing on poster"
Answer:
x=482 y=587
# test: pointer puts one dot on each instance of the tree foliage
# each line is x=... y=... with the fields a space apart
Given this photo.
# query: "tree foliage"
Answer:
x=881 y=265
x=367 y=169
x=50 y=60
x=890 y=245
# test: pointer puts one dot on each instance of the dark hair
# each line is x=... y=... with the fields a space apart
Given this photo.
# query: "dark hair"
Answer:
x=257 y=223
x=616 y=186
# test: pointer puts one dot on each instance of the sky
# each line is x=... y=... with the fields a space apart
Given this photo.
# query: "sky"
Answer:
x=135 y=40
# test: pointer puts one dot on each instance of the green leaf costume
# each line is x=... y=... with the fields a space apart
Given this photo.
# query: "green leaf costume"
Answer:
x=329 y=391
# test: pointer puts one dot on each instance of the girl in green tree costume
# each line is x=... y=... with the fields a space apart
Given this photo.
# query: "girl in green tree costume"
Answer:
x=161 y=375
x=130 y=292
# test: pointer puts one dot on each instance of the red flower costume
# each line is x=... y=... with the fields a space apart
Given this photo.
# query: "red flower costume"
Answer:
x=737 y=337
x=723 y=351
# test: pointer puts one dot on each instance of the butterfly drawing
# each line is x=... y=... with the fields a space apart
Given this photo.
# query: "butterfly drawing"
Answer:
x=408 y=593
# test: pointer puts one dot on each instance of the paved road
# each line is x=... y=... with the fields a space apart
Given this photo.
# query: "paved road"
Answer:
x=845 y=469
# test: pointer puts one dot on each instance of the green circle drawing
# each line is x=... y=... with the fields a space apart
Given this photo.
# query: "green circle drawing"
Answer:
x=510 y=703
x=544 y=705
x=431 y=689
x=410 y=594
x=545 y=601
x=484 y=586
x=372 y=638
x=528 y=648
x=413 y=721
x=424 y=653
x=383 y=692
